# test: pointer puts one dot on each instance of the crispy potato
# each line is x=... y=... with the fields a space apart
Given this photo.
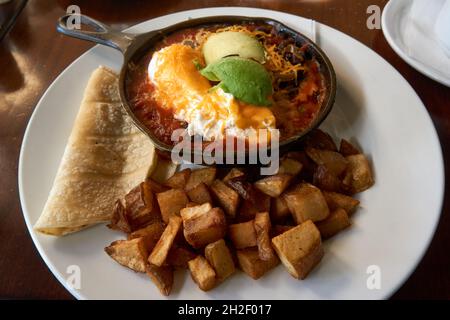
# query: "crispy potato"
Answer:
x=205 y=228
x=220 y=258
x=179 y=179
x=262 y=228
x=320 y=140
x=251 y=264
x=202 y=273
x=279 y=229
x=195 y=211
x=359 y=175
x=299 y=249
x=244 y=188
x=200 y=194
x=162 y=247
x=324 y=179
x=155 y=186
x=206 y=176
x=308 y=166
x=274 y=185
x=234 y=173
x=254 y=201
x=129 y=253
x=336 y=200
x=337 y=221
x=258 y=202
x=279 y=209
x=162 y=277
x=347 y=149
x=171 y=202
x=226 y=197
x=191 y=204
x=150 y=235
x=290 y=166
x=333 y=161
x=306 y=202
x=119 y=220
x=140 y=206
x=179 y=257
x=243 y=235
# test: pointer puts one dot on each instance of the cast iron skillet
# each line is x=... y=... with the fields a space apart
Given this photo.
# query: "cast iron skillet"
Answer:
x=134 y=46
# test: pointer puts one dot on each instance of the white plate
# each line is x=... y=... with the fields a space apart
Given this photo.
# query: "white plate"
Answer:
x=394 y=16
x=375 y=106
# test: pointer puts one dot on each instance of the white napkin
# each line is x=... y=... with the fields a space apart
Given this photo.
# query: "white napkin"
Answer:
x=427 y=33
x=442 y=27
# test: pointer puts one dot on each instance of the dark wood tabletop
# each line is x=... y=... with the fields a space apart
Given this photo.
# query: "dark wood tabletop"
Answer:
x=33 y=54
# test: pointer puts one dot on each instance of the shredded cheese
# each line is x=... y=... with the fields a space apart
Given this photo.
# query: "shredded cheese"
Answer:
x=276 y=63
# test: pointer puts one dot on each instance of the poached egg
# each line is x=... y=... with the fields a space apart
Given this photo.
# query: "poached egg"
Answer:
x=209 y=112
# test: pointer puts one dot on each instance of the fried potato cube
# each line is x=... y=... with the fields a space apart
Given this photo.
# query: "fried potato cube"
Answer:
x=179 y=179
x=119 y=220
x=234 y=173
x=279 y=229
x=156 y=187
x=202 y=273
x=337 y=200
x=206 y=176
x=252 y=265
x=162 y=277
x=205 y=228
x=191 y=204
x=150 y=234
x=324 y=179
x=279 y=209
x=195 y=211
x=179 y=257
x=308 y=166
x=290 y=166
x=220 y=258
x=262 y=228
x=359 y=175
x=333 y=161
x=226 y=197
x=306 y=202
x=200 y=194
x=244 y=188
x=162 y=247
x=320 y=140
x=348 y=149
x=299 y=249
x=171 y=202
x=140 y=206
x=274 y=185
x=337 y=221
x=257 y=202
x=243 y=235
x=129 y=253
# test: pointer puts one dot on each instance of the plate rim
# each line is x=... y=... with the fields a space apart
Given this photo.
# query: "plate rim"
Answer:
x=388 y=34
x=80 y=296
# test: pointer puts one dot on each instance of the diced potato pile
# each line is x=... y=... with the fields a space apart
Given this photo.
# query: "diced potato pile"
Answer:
x=212 y=220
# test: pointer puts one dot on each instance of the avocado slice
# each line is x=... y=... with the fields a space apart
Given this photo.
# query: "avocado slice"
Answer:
x=245 y=79
x=232 y=43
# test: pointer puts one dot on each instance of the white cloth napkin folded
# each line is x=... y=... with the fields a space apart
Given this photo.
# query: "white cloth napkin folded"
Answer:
x=426 y=34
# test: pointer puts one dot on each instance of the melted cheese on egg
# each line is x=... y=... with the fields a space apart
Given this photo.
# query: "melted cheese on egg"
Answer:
x=208 y=112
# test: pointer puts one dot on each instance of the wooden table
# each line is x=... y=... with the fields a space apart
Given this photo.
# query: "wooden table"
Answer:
x=33 y=54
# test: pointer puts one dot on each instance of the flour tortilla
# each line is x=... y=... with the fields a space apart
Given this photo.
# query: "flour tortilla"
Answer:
x=106 y=156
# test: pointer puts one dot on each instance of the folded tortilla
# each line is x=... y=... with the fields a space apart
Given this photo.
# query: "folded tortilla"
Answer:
x=106 y=156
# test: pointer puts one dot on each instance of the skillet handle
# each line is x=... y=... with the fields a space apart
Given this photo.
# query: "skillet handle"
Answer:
x=102 y=34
